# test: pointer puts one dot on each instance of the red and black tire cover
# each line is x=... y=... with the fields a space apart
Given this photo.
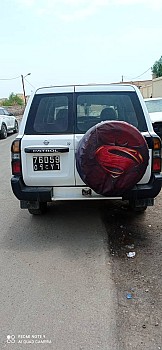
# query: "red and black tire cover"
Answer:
x=112 y=157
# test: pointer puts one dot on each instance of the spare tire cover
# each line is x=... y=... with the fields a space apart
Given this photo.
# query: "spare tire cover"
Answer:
x=112 y=157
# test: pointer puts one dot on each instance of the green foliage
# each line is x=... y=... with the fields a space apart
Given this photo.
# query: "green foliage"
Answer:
x=13 y=100
x=157 y=68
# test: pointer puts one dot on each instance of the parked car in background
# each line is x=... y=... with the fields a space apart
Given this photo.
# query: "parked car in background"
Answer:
x=154 y=106
x=8 y=123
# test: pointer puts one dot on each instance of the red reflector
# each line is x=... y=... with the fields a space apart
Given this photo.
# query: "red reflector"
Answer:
x=157 y=164
x=16 y=168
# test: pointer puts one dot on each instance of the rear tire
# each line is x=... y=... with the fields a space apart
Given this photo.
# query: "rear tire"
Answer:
x=39 y=211
x=112 y=158
x=3 y=131
x=136 y=209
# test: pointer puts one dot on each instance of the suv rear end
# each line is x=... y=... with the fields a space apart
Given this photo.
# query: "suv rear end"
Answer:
x=54 y=123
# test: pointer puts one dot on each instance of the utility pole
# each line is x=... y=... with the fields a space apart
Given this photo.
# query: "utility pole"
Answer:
x=22 y=78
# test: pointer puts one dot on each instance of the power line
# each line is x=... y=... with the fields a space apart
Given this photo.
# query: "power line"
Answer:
x=29 y=83
x=17 y=78
x=10 y=78
x=138 y=75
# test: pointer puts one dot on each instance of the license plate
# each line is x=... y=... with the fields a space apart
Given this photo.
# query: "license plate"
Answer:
x=41 y=163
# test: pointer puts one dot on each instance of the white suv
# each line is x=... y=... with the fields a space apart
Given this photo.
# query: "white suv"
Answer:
x=8 y=123
x=154 y=106
x=83 y=143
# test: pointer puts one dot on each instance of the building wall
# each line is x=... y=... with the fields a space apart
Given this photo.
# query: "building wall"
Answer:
x=146 y=91
x=152 y=90
x=157 y=87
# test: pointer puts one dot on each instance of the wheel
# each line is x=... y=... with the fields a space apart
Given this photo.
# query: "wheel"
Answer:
x=3 y=131
x=136 y=209
x=112 y=157
x=139 y=210
x=16 y=127
x=41 y=210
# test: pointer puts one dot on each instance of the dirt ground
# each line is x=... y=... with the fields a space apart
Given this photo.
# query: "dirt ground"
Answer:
x=138 y=279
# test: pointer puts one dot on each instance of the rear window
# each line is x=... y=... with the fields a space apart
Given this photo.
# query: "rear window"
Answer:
x=62 y=114
x=50 y=114
x=93 y=108
x=154 y=105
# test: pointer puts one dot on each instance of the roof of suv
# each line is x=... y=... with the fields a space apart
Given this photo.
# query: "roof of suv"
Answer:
x=86 y=88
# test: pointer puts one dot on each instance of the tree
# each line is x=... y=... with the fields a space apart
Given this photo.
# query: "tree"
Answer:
x=157 y=68
x=13 y=100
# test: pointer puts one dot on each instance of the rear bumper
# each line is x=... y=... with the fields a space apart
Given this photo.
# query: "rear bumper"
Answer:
x=26 y=193
x=45 y=194
x=150 y=190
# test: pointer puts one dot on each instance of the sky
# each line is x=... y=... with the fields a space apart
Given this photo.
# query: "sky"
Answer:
x=77 y=42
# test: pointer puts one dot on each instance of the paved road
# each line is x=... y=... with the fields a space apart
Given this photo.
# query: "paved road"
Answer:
x=56 y=274
x=65 y=276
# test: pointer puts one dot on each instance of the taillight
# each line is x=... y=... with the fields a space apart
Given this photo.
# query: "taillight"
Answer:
x=156 y=155
x=16 y=157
